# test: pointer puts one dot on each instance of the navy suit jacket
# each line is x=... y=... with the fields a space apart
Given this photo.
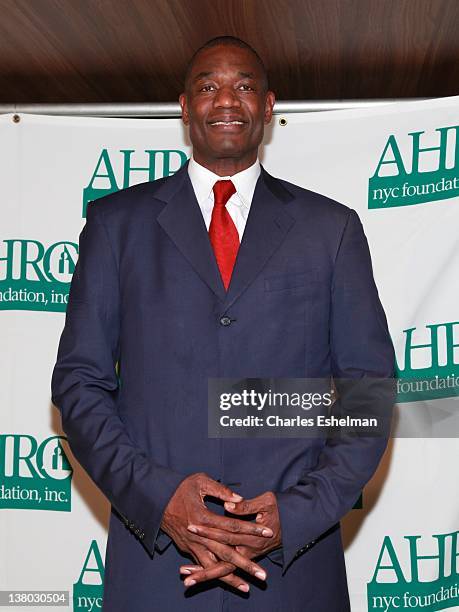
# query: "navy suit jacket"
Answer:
x=147 y=293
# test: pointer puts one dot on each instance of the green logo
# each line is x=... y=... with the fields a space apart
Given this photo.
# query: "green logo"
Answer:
x=89 y=588
x=157 y=163
x=36 y=277
x=403 y=586
x=33 y=475
x=431 y=370
x=423 y=174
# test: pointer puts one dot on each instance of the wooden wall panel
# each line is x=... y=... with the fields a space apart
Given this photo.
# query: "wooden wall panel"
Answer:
x=137 y=50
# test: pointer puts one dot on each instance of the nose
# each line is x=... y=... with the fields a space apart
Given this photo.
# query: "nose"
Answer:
x=226 y=98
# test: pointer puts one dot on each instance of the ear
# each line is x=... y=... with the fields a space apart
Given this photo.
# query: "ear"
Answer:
x=184 y=107
x=269 y=105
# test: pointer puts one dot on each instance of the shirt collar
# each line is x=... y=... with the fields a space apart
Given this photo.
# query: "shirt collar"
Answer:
x=204 y=179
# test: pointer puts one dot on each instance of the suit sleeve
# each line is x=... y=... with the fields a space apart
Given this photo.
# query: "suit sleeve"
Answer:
x=360 y=347
x=85 y=388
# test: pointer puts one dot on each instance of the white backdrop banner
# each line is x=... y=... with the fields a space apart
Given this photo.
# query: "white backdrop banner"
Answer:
x=398 y=166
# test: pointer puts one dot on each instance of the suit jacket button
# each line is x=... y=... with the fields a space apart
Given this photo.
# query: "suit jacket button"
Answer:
x=225 y=321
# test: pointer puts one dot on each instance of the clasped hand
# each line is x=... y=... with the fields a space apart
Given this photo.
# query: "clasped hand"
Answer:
x=220 y=544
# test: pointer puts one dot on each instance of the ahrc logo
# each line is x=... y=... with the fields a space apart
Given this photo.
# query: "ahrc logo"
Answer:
x=34 y=476
x=158 y=164
x=399 y=180
x=36 y=277
x=397 y=582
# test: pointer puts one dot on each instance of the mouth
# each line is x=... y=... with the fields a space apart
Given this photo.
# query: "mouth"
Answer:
x=235 y=124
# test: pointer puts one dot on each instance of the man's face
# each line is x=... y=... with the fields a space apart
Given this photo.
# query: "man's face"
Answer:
x=226 y=105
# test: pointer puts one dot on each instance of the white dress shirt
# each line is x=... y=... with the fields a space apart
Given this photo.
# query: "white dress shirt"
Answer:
x=239 y=203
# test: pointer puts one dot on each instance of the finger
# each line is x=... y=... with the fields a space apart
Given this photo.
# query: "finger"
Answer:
x=189 y=569
x=233 y=525
x=225 y=570
x=231 y=579
x=232 y=539
x=246 y=551
x=208 y=560
x=204 y=558
x=247 y=506
x=230 y=555
x=236 y=582
x=216 y=489
x=219 y=570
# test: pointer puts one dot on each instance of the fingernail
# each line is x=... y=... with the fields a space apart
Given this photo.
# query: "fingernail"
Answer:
x=230 y=505
x=267 y=533
x=190 y=582
x=185 y=571
x=258 y=517
x=244 y=587
x=260 y=575
x=192 y=528
x=236 y=497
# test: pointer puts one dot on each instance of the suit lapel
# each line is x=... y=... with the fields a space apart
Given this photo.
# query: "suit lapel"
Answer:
x=182 y=220
x=267 y=225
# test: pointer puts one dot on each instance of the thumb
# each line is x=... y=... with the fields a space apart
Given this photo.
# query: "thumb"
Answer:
x=248 y=506
x=221 y=491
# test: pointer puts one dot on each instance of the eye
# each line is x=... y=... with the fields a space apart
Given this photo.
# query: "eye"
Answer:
x=246 y=87
x=207 y=88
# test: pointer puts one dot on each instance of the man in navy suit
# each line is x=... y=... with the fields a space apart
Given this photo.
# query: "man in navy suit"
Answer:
x=221 y=270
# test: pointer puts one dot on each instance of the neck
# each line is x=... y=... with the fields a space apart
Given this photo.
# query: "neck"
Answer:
x=226 y=166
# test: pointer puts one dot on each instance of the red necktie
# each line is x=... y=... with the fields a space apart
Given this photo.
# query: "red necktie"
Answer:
x=222 y=231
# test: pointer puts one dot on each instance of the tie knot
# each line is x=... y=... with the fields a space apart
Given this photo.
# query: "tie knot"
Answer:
x=223 y=190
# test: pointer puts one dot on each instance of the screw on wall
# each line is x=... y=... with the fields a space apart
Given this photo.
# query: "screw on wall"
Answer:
x=16 y=118
x=283 y=121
